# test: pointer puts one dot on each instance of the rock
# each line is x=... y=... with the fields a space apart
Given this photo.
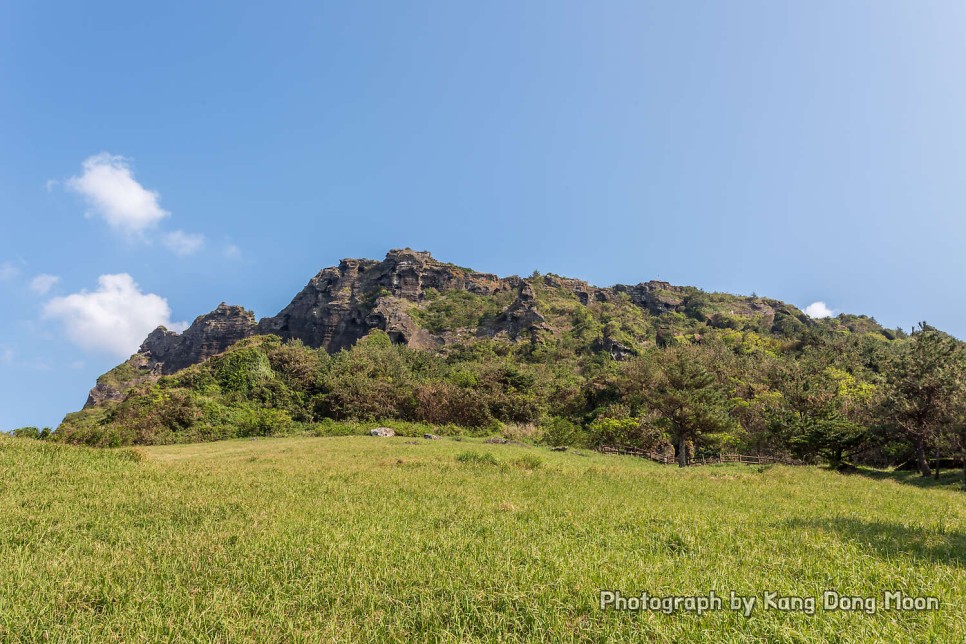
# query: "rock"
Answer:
x=101 y=394
x=617 y=350
x=114 y=385
x=583 y=291
x=656 y=297
x=520 y=320
x=559 y=448
x=496 y=440
x=431 y=437
x=341 y=305
x=208 y=335
x=383 y=432
x=165 y=352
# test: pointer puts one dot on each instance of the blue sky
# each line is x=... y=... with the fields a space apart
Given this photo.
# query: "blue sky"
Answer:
x=156 y=161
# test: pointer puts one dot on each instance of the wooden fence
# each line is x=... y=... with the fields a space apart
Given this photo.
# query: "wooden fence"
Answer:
x=667 y=459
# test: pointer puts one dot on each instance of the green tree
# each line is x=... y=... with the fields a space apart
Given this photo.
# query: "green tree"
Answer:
x=690 y=403
x=824 y=411
x=924 y=390
x=31 y=432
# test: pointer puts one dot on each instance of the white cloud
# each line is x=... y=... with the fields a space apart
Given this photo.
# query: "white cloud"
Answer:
x=818 y=310
x=8 y=271
x=41 y=284
x=6 y=355
x=181 y=243
x=232 y=252
x=109 y=186
x=116 y=317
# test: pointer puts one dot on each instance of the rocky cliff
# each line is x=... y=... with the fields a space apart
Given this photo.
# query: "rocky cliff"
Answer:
x=340 y=305
x=427 y=304
x=166 y=352
x=208 y=335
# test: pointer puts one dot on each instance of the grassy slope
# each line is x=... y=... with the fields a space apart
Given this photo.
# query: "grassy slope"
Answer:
x=363 y=538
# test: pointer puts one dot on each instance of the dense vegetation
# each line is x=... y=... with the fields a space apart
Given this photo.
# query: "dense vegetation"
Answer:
x=365 y=539
x=714 y=372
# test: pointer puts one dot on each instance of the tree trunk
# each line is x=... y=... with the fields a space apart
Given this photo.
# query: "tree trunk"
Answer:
x=964 y=471
x=937 y=462
x=836 y=458
x=921 y=461
x=682 y=451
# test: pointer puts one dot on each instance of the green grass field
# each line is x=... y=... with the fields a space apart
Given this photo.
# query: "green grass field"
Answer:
x=358 y=538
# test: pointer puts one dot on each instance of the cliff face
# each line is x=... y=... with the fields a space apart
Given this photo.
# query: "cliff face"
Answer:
x=165 y=352
x=208 y=335
x=341 y=305
x=428 y=304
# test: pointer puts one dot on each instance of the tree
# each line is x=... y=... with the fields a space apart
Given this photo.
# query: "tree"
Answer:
x=691 y=404
x=823 y=412
x=31 y=432
x=924 y=390
x=628 y=431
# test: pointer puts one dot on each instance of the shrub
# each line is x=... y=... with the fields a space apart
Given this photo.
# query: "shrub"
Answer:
x=634 y=432
x=473 y=457
x=262 y=422
x=242 y=370
x=31 y=432
x=300 y=366
x=560 y=431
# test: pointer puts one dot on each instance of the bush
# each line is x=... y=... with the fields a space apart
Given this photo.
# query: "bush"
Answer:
x=299 y=366
x=560 y=431
x=263 y=422
x=632 y=432
x=242 y=370
x=31 y=432
x=473 y=457
x=456 y=309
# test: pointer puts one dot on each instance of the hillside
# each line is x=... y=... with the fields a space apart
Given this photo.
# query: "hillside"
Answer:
x=366 y=539
x=426 y=304
x=414 y=340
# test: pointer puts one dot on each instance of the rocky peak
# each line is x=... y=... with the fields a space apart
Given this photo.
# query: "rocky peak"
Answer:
x=581 y=289
x=657 y=297
x=208 y=335
x=165 y=352
x=341 y=305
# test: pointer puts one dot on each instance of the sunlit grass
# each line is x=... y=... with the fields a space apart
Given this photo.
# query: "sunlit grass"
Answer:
x=352 y=538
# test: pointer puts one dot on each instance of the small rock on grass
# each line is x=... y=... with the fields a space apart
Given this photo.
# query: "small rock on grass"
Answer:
x=383 y=432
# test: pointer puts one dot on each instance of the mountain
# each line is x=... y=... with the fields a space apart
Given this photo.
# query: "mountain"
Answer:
x=427 y=304
x=555 y=329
